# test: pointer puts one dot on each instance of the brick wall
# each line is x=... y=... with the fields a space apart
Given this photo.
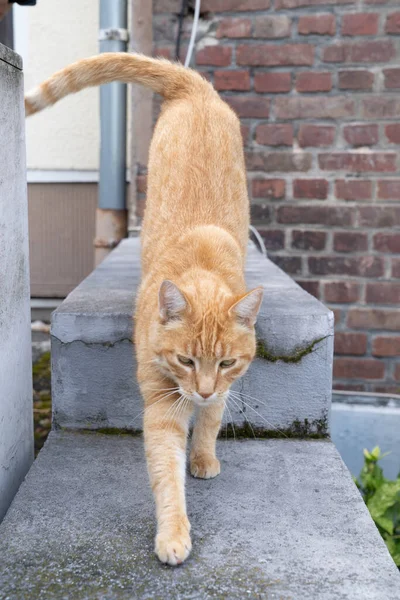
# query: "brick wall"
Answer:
x=316 y=85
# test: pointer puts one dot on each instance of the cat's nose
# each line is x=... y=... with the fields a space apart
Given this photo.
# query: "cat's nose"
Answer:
x=205 y=396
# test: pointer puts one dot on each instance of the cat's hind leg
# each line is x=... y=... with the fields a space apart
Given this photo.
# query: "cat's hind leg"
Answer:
x=166 y=424
x=203 y=461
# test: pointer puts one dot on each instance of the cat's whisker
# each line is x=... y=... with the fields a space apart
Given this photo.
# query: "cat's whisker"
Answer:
x=231 y=418
x=263 y=418
x=153 y=404
x=171 y=409
x=249 y=397
x=244 y=414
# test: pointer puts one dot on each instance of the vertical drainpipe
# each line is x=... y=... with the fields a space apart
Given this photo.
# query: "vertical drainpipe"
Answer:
x=111 y=215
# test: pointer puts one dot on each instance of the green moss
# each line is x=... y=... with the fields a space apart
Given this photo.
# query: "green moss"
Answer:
x=316 y=429
x=295 y=357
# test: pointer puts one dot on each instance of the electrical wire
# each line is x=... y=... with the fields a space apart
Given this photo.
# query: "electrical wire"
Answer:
x=193 y=34
x=259 y=239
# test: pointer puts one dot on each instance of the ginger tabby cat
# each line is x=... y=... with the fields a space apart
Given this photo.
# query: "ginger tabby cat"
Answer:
x=194 y=332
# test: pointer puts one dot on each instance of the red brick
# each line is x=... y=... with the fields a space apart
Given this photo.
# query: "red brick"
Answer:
x=360 y=24
x=387 y=242
x=274 y=239
x=342 y=292
x=275 y=134
x=234 y=28
x=272 y=27
x=353 y=189
x=272 y=83
x=313 y=82
x=263 y=160
x=350 y=241
x=361 y=135
x=268 y=188
x=337 y=315
x=380 y=107
x=392 y=78
x=289 y=264
x=389 y=189
x=383 y=292
x=328 y=107
x=308 y=240
x=378 y=162
x=261 y=212
x=232 y=80
x=271 y=55
x=218 y=56
x=341 y=216
x=310 y=188
x=249 y=106
x=359 y=266
x=317 y=25
x=316 y=135
x=396 y=268
x=355 y=80
x=245 y=131
x=141 y=184
x=279 y=4
x=379 y=216
x=385 y=345
x=374 y=318
x=350 y=343
x=392 y=132
x=358 y=368
x=312 y=287
x=397 y=373
x=358 y=52
x=233 y=5
x=393 y=23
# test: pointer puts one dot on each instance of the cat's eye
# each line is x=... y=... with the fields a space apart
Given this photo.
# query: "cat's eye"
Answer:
x=225 y=364
x=186 y=361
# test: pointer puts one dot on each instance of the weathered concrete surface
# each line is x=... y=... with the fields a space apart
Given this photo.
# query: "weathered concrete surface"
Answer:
x=283 y=521
x=94 y=365
x=16 y=430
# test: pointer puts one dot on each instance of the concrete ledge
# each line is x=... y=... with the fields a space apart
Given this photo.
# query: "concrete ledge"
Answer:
x=283 y=520
x=94 y=365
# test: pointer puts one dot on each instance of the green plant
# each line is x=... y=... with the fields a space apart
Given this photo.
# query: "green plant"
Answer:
x=382 y=497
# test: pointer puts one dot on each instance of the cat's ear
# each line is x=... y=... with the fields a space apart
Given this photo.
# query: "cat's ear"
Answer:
x=246 y=308
x=171 y=301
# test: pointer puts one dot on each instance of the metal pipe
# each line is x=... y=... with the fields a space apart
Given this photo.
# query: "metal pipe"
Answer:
x=112 y=184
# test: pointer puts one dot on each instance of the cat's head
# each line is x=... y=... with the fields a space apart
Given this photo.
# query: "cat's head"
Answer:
x=204 y=342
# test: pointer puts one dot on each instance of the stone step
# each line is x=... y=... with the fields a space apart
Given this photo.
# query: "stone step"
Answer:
x=283 y=520
x=287 y=387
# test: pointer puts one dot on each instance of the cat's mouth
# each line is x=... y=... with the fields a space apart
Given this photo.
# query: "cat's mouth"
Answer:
x=203 y=401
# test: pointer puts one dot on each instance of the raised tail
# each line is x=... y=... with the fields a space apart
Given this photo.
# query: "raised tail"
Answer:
x=171 y=80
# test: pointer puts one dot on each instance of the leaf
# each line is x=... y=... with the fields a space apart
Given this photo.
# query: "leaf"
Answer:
x=385 y=497
x=393 y=546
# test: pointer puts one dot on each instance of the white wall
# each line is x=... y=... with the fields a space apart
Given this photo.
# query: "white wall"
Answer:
x=49 y=36
x=16 y=419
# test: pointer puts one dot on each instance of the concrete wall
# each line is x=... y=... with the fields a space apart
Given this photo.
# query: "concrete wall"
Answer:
x=16 y=428
x=50 y=36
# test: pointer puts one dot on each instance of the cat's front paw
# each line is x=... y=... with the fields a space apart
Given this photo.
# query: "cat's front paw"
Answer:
x=204 y=467
x=173 y=549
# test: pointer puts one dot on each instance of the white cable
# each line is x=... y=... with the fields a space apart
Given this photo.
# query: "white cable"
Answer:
x=193 y=34
x=260 y=241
